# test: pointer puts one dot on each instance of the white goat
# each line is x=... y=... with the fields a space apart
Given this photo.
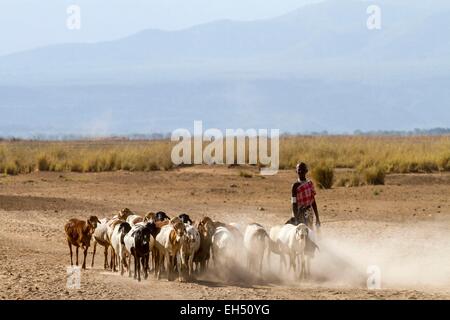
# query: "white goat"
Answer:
x=274 y=245
x=189 y=247
x=224 y=245
x=168 y=243
x=134 y=219
x=241 y=227
x=110 y=226
x=292 y=241
x=100 y=236
x=118 y=244
x=256 y=242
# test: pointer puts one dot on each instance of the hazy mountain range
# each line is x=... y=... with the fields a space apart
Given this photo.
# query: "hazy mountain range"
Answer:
x=317 y=68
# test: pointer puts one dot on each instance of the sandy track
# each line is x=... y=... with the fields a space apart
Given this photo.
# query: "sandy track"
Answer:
x=402 y=226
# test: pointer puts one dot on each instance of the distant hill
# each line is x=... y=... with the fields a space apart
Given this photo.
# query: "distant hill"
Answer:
x=317 y=68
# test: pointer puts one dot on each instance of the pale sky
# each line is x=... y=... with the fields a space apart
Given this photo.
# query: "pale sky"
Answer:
x=25 y=24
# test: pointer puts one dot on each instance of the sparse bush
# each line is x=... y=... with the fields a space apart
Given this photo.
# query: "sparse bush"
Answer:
x=324 y=175
x=374 y=175
x=43 y=163
x=76 y=166
x=166 y=163
x=413 y=167
x=428 y=166
x=10 y=169
x=245 y=174
x=153 y=166
x=444 y=163
x=90 y=165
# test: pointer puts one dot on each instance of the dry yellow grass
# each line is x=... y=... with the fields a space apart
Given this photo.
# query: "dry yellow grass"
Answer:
x=84 y=156
x=393 y=154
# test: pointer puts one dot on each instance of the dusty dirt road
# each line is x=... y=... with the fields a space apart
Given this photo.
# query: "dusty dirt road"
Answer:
x=402 y=227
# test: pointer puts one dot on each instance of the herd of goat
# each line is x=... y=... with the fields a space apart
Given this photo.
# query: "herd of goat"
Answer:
x=158 y=243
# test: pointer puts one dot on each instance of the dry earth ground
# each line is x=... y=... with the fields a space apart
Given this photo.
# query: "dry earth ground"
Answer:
x=402 y=227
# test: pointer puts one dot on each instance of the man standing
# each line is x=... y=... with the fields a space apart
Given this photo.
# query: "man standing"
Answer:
x=303 y=198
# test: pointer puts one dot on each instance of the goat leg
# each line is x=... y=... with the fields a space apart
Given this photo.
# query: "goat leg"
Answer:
x=157 y=266
x=84 y=258
x=169 y=266
x=111 y=259
x=292 y=265
x=116 y=261
x=93 y=253
x=145 y=265
x=179 y=263
x=70 y=248
x=136 y=264
x=150 y=261
x=138 y=259
x=260 y=265
x=77 y=255
x=121 y=260
x=283 y=263
x=191 y=265
x=154 y=260
x=302 y=267
x=308 y=266
x=203 y=266
x=105 y=263
x=129 y=264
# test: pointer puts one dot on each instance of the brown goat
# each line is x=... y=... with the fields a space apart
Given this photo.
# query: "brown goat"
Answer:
x=124 y=214
x=79 y=234
x=149 y=217
x=206 y=229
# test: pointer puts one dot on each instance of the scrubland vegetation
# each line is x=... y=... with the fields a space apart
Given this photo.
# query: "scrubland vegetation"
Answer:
x=370 y=157
x=393 y=154
x=84 y=156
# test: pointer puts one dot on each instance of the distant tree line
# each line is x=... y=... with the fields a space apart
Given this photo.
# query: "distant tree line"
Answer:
x=75 y=137
x=162 y=136
x=415 y=132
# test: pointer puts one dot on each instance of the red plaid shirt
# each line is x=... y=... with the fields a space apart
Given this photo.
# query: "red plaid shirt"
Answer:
x=305 y=194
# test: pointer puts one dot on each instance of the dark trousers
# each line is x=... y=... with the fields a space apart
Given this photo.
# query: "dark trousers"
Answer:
x=301 y=215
